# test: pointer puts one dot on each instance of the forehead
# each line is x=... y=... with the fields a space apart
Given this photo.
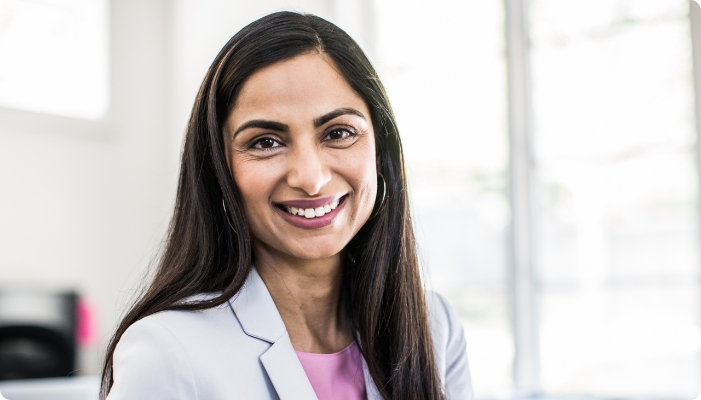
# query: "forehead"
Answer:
x=305 y=86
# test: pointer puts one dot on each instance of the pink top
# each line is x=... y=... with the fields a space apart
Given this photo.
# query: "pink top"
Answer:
x=336 y=376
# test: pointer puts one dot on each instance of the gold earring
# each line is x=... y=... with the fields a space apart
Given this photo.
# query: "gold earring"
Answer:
x=384 y=194
x=226 y=215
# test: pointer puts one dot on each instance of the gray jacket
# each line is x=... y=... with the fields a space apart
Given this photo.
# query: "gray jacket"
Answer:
x=241 y=350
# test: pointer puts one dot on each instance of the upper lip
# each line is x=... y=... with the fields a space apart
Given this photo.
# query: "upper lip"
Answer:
x=311 y=203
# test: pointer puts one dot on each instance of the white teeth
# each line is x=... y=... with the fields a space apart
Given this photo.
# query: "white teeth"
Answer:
x=313 y=212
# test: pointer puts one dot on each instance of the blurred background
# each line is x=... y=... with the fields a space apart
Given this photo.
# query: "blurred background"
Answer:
x=551 y=148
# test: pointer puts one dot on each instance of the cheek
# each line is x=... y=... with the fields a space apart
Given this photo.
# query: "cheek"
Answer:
x=362 y=173
x=253 y=184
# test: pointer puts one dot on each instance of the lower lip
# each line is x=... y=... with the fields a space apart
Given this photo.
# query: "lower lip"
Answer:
x=303 y=222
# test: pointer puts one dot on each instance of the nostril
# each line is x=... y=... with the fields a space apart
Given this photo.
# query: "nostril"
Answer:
x=309 y=174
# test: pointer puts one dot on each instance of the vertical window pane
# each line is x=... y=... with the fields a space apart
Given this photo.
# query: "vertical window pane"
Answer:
x=617 y=192
x=443 y=66
x=54 y=56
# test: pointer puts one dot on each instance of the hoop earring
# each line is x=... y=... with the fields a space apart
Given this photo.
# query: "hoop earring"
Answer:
x=384 y=194
x=226 y=215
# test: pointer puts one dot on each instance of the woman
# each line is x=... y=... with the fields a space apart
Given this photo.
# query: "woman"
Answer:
x=290 y=269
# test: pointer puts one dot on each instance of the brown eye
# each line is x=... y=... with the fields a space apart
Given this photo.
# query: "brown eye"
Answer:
x=265 y=143
x=338 y=134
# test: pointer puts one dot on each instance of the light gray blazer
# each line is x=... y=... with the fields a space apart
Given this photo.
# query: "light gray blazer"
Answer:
x=241 y=350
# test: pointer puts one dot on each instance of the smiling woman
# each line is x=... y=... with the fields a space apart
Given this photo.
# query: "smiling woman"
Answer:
x=294 y=147
x=290 y=269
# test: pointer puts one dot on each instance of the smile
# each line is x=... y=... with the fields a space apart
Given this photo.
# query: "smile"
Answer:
x=313 y=212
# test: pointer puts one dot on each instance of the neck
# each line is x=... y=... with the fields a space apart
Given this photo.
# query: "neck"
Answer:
x=307 y=295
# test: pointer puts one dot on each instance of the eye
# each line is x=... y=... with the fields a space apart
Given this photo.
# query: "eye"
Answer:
x=265 y=143
x=339 y=134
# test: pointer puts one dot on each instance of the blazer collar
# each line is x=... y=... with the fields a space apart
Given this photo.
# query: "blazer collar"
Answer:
x=370 y=388
x=256 y=310
x=259 y=318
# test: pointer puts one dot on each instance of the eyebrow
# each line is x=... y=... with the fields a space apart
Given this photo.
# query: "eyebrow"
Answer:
x=279 y=126
x=335 y=114
x=263 y=124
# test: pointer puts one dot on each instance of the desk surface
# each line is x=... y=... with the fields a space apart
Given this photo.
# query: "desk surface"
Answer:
x=75 y=388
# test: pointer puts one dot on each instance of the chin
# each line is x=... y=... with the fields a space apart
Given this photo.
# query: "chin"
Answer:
x=316 y=254
x=313 y=250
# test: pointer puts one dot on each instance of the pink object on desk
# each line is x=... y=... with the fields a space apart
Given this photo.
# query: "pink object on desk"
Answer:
x=85 y=329
x=337 y=376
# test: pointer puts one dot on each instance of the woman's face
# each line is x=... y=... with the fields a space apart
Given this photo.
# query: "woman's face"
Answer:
x=301 y=149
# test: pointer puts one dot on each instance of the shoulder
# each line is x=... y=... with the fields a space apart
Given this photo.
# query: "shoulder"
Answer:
x=180 y=325
x=159 y=356
x=441 y=315
x=176 y=329
x=182 y=322
x=150 y=362
x=446 y=327
x=450 y=347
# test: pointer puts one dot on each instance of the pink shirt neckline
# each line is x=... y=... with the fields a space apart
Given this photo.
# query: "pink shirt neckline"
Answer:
x=336 y=375
x=312 y=355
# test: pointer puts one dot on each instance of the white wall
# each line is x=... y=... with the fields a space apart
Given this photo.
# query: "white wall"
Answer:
x=200 y=29
x=83 y=204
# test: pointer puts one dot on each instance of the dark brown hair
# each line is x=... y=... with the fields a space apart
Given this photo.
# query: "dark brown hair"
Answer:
x=204 y=252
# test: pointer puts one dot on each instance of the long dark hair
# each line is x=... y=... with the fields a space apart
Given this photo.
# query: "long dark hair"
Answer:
x=209 y=251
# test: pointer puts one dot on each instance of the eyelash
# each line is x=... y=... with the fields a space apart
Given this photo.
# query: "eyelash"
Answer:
x=253 y=144
x=351 y=133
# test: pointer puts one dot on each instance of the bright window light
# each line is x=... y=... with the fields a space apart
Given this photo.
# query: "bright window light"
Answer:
x=618 y=198
x=54 y=57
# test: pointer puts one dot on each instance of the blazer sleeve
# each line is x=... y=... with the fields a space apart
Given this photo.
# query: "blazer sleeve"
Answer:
x=150 y=363
x=457 y=381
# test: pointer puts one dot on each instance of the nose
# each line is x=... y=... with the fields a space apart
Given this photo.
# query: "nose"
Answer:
x=307 y=170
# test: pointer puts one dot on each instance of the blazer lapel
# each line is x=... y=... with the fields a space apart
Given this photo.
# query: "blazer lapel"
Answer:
x=259 y=317
x=286 y=372
x=370 y=388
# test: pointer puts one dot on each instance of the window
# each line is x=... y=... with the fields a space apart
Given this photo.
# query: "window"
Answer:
x=609 y=256
x=617 y=198
x=54 y=57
